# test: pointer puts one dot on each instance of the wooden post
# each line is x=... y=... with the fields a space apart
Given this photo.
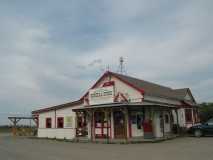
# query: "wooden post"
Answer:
x=15 y=127
x=77 y=115
x=178 y=128
x=92 y=123
x=163 y=123
x=107 y=118
x=15 y=122
x=125 y=123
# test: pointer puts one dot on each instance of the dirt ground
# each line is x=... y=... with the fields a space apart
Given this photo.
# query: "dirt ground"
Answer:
x=33 y=149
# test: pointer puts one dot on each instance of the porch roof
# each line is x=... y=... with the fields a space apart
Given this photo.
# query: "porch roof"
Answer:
x=126 y=104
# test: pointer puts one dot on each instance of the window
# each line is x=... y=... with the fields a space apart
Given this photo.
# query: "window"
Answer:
x=99 y=119
x=137 y=118
x=48 y=123
x=68 y=122
x=60 y=122
x=188 y=115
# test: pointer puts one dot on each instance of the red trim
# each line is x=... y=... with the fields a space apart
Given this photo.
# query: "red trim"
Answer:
x=189 y=115
x=102 y=130
x=70 y=104
x=117 y=96
x=60 y=119
x=124 y=97
x=81 y=100
x=147 y=126
x=186 y=104
x=48 y=120
x=98 y=81
x=110 y=83
x=111 y=73
x=131 y=85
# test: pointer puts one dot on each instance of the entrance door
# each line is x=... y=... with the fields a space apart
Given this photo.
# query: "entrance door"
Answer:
x=119 y=124
x=137 y=118
x=167 y=123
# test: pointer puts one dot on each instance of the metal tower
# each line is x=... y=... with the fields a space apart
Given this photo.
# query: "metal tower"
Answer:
x=121 y=68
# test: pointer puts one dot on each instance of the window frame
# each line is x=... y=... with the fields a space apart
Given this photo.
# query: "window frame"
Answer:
x=188 y=116
x=49 y=122
x=60 y=120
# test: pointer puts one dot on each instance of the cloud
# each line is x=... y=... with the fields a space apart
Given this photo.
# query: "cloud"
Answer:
x=52 y=52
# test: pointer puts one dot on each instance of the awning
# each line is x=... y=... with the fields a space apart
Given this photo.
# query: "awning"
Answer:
x=126 y=104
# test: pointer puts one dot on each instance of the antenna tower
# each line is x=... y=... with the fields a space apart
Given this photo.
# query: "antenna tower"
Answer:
x=121 y=68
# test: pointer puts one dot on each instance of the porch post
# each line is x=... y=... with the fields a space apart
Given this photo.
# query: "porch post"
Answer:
x=178 y=126
x=126 y=122
x=76 y=130
x=92 y=125
x=112 y=124
x=163 y=121
x=107 y=119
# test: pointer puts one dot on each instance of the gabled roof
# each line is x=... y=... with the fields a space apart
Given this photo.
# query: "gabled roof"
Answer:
x=153 y=89
x=181 y=93
x=145 y=87
x=65 y=105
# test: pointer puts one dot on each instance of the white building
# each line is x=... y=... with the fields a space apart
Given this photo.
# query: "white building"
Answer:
x=120 y=107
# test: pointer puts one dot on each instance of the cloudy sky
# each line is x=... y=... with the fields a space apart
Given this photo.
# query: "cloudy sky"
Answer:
x=52 y=51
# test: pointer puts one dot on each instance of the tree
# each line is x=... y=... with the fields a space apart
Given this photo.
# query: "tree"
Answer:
x=206 y=111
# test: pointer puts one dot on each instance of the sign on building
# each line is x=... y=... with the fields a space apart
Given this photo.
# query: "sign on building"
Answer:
x=101 y=95
x=68 y=123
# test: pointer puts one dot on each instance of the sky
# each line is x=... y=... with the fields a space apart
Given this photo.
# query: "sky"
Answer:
x=52 y=51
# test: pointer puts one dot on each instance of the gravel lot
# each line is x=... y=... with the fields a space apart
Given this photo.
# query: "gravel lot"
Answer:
x=33 y=149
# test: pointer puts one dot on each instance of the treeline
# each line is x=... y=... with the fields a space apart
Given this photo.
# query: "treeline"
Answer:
x=5 y=129
x=10 y=126
x=206 y=111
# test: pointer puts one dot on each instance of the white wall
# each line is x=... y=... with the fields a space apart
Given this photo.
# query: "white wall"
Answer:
x=43 y=116
x=67 y=132
x=56 y=133
x=156 y=124
x=128 y=91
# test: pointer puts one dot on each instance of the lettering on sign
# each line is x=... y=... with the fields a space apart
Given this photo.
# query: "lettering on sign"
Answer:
x=101 y=95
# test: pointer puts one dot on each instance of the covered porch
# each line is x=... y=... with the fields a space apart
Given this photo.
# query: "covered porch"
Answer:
x=133 y=122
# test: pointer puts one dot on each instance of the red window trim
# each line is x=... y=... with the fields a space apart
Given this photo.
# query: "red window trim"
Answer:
x=58 y=119
x=102 y=127
x=50 y=120
x=191 y=118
